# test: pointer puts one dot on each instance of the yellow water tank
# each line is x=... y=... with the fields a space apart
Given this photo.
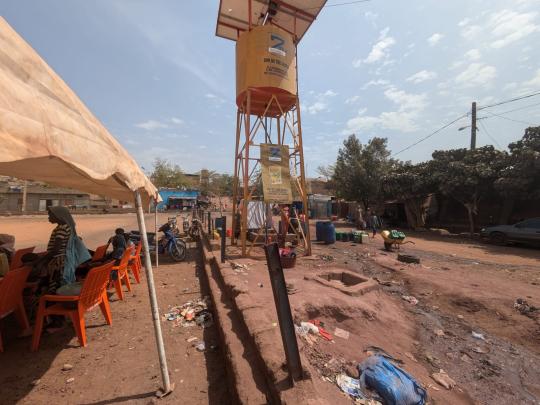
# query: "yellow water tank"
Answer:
x=266 y=65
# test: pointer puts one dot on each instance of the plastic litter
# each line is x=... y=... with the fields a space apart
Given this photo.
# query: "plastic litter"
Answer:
x=341 y=333
x=201 y=347
x=191 y=313
x=410 y=299
x=350 y=386
x=523 y=307
x=392 y=384
x=477 y=335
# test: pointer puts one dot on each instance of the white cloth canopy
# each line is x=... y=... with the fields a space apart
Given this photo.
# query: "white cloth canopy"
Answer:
x=48 y=134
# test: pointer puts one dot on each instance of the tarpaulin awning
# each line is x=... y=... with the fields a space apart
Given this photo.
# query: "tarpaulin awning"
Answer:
x=48 y=134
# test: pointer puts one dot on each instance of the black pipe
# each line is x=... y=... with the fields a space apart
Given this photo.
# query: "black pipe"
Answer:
x=283 y=307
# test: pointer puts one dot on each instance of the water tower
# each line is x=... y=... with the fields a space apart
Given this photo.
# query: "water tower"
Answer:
x=267 y=33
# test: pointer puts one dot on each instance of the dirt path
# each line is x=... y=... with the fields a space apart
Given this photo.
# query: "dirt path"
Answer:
x=120 y=363
x=34 y=230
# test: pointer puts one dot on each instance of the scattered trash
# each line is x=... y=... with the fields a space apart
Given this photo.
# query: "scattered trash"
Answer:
x=191 y=313
x=460 y=316
x=432 y=387
x=305 y=328
x=376 y=350
x=439 y=332
x=480 y=350
x=350 y=386
x=70 y=380
x=260 y=285
x=201 y=347
x=239 y=268
x=477 y=335
x=524 y=308
x=410 y=299
x=322 y=332
x=192 y=339
x=392 y=384
x=443 y=379
x=67 y=367
x=341 y=333
x=326 y=258
x=291 y=289
x=36 y=382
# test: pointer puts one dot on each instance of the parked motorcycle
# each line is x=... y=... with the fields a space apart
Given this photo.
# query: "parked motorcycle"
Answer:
x=168 y=244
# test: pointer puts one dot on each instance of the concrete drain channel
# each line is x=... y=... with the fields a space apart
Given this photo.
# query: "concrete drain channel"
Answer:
x=345 y=281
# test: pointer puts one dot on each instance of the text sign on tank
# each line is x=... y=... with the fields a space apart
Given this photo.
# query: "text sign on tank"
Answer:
x=276 y=175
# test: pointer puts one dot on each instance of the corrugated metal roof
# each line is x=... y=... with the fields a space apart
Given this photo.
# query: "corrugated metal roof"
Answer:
x=294 y=16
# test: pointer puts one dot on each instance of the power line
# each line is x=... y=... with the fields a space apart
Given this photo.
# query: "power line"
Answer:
x=509 y=119
x=510 y=100
x=519 y=109
x=430 y=135
x=489 y=135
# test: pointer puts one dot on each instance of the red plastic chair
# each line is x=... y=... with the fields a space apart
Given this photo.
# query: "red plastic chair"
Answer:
x=100 y=252
x=93 y=293
x=11 y=299
x=135 y=264
x=123 y=275
x=16 y=261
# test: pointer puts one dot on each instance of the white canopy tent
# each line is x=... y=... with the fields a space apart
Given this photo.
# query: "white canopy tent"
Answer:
x=48 y=134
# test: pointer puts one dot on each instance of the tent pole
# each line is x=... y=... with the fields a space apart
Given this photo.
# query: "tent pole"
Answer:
x=153 y=299
x=156 y=239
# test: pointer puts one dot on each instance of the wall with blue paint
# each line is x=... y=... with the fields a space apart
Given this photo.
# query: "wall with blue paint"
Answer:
x=167 y=193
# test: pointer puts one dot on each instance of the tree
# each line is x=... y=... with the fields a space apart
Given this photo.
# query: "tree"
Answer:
x=359 y=170
x=520 y=178
x=467 y=175
x=165 y=174
x=411 y=184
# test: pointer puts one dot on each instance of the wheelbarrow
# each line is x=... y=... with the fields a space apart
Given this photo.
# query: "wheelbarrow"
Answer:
x=393 y=238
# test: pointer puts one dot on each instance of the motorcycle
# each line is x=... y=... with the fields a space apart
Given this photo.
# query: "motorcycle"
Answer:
x=168 y=244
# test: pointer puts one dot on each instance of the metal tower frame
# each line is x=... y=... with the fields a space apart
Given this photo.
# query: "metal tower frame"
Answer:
x=274 y=126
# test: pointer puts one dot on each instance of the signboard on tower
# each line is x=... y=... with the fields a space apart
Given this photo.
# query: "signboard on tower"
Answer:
x=276 y=175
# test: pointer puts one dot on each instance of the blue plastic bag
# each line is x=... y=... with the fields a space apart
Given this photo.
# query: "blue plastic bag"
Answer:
x=391 y=383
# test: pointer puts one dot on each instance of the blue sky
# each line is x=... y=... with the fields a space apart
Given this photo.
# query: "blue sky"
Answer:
x=155 y=74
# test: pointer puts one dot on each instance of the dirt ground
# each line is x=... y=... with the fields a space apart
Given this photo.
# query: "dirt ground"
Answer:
x=462 y=286
x=120 y=363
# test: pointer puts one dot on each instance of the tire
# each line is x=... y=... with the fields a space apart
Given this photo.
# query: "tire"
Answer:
x=498 y=238
x=178 y=251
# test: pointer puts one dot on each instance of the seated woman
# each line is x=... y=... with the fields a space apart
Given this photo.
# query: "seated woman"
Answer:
x=65 y=251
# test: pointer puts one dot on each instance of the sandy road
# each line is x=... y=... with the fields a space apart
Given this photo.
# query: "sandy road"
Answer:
x=34 y=230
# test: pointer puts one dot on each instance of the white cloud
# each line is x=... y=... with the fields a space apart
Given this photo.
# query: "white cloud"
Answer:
x=211 y=96
x=510 y=26
x=510 y=86
x=379 y=51
x=177 y=121
x=434 y=39
x=371 y=17
x=352 y=100
x=404 y=119
x=378 y=82
x=501 y=28
x=476 y=74
x=422 y=76
x=473 y=54
x=533 y=84
x=151 y=125
x=316 y=107
x=329 y=93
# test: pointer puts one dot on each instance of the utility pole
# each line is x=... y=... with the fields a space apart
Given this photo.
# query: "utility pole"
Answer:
x=23 y=204
x=473 y=126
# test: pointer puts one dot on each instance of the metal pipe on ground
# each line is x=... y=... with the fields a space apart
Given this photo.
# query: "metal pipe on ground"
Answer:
x=283 y=308
x=223 y=237
x=167 y=388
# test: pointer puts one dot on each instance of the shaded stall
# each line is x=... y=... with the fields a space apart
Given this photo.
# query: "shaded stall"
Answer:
x=47 y=134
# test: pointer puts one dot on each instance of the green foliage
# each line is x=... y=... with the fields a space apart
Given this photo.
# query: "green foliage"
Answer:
x=467 y=175
x=411 y=184
x=165 y=174
x=520 y=178
x=359 y=170
x=221 y=185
